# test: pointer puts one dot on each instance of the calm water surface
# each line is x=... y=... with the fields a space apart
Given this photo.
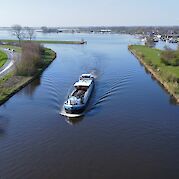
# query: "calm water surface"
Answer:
x=131 y=128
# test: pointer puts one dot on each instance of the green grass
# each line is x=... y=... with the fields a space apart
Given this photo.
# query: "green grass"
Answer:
x=6 y=77
x=7 y=92
x=44 y=41
x=11 y=83
x=3 y=58
x=167 y=73
x=17 y=49
x=58 y=42
x=49 y=55
x=153 y=57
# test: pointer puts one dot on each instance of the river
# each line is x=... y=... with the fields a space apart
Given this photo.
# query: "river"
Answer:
x=130 y=129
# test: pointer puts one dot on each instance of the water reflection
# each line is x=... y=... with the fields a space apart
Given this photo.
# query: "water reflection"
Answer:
x=30 y=89
x=173 y=101
x=74 y=120
x=3 y=125
x=2 y=132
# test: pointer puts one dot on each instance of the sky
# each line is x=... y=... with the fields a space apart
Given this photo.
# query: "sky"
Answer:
x=54 y=13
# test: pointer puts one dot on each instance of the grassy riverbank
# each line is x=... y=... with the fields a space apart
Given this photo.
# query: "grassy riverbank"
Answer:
x=11 y=83
x=3 y=58
x=4 y=41
x=17 y=49
x=167 y=75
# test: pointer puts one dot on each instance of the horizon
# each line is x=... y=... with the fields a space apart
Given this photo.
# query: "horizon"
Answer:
x=147 y=26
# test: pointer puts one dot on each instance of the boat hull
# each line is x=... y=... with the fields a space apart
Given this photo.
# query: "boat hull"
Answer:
x=77 y=109
x=74 y=109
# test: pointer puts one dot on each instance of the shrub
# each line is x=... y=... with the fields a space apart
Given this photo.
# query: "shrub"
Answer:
x=143 y=56
x=170 y=57
x=31 y=59
x=149 y=62
x=155 y=66
x=171 y=78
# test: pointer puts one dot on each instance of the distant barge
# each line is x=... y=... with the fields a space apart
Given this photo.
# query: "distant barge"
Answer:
x=78 y=99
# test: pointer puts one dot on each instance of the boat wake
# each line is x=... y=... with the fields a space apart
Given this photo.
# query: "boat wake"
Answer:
x=64 y=113
x=117 y=86
x=95 y=73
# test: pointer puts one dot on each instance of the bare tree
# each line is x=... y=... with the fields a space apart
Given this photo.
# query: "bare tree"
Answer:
x=150 y=42
x=30 y=33
x=17 y=31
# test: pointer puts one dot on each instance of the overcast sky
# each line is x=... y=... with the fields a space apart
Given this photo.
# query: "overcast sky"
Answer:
x=89 y=12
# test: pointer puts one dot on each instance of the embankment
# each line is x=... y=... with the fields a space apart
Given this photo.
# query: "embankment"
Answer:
x=167 y=76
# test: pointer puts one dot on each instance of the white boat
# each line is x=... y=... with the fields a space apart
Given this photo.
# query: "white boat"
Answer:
x=78 y=99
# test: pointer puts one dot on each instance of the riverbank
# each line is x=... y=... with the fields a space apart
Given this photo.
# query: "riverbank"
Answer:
x=8 y=42
x=11 y=83
x=167 y=76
